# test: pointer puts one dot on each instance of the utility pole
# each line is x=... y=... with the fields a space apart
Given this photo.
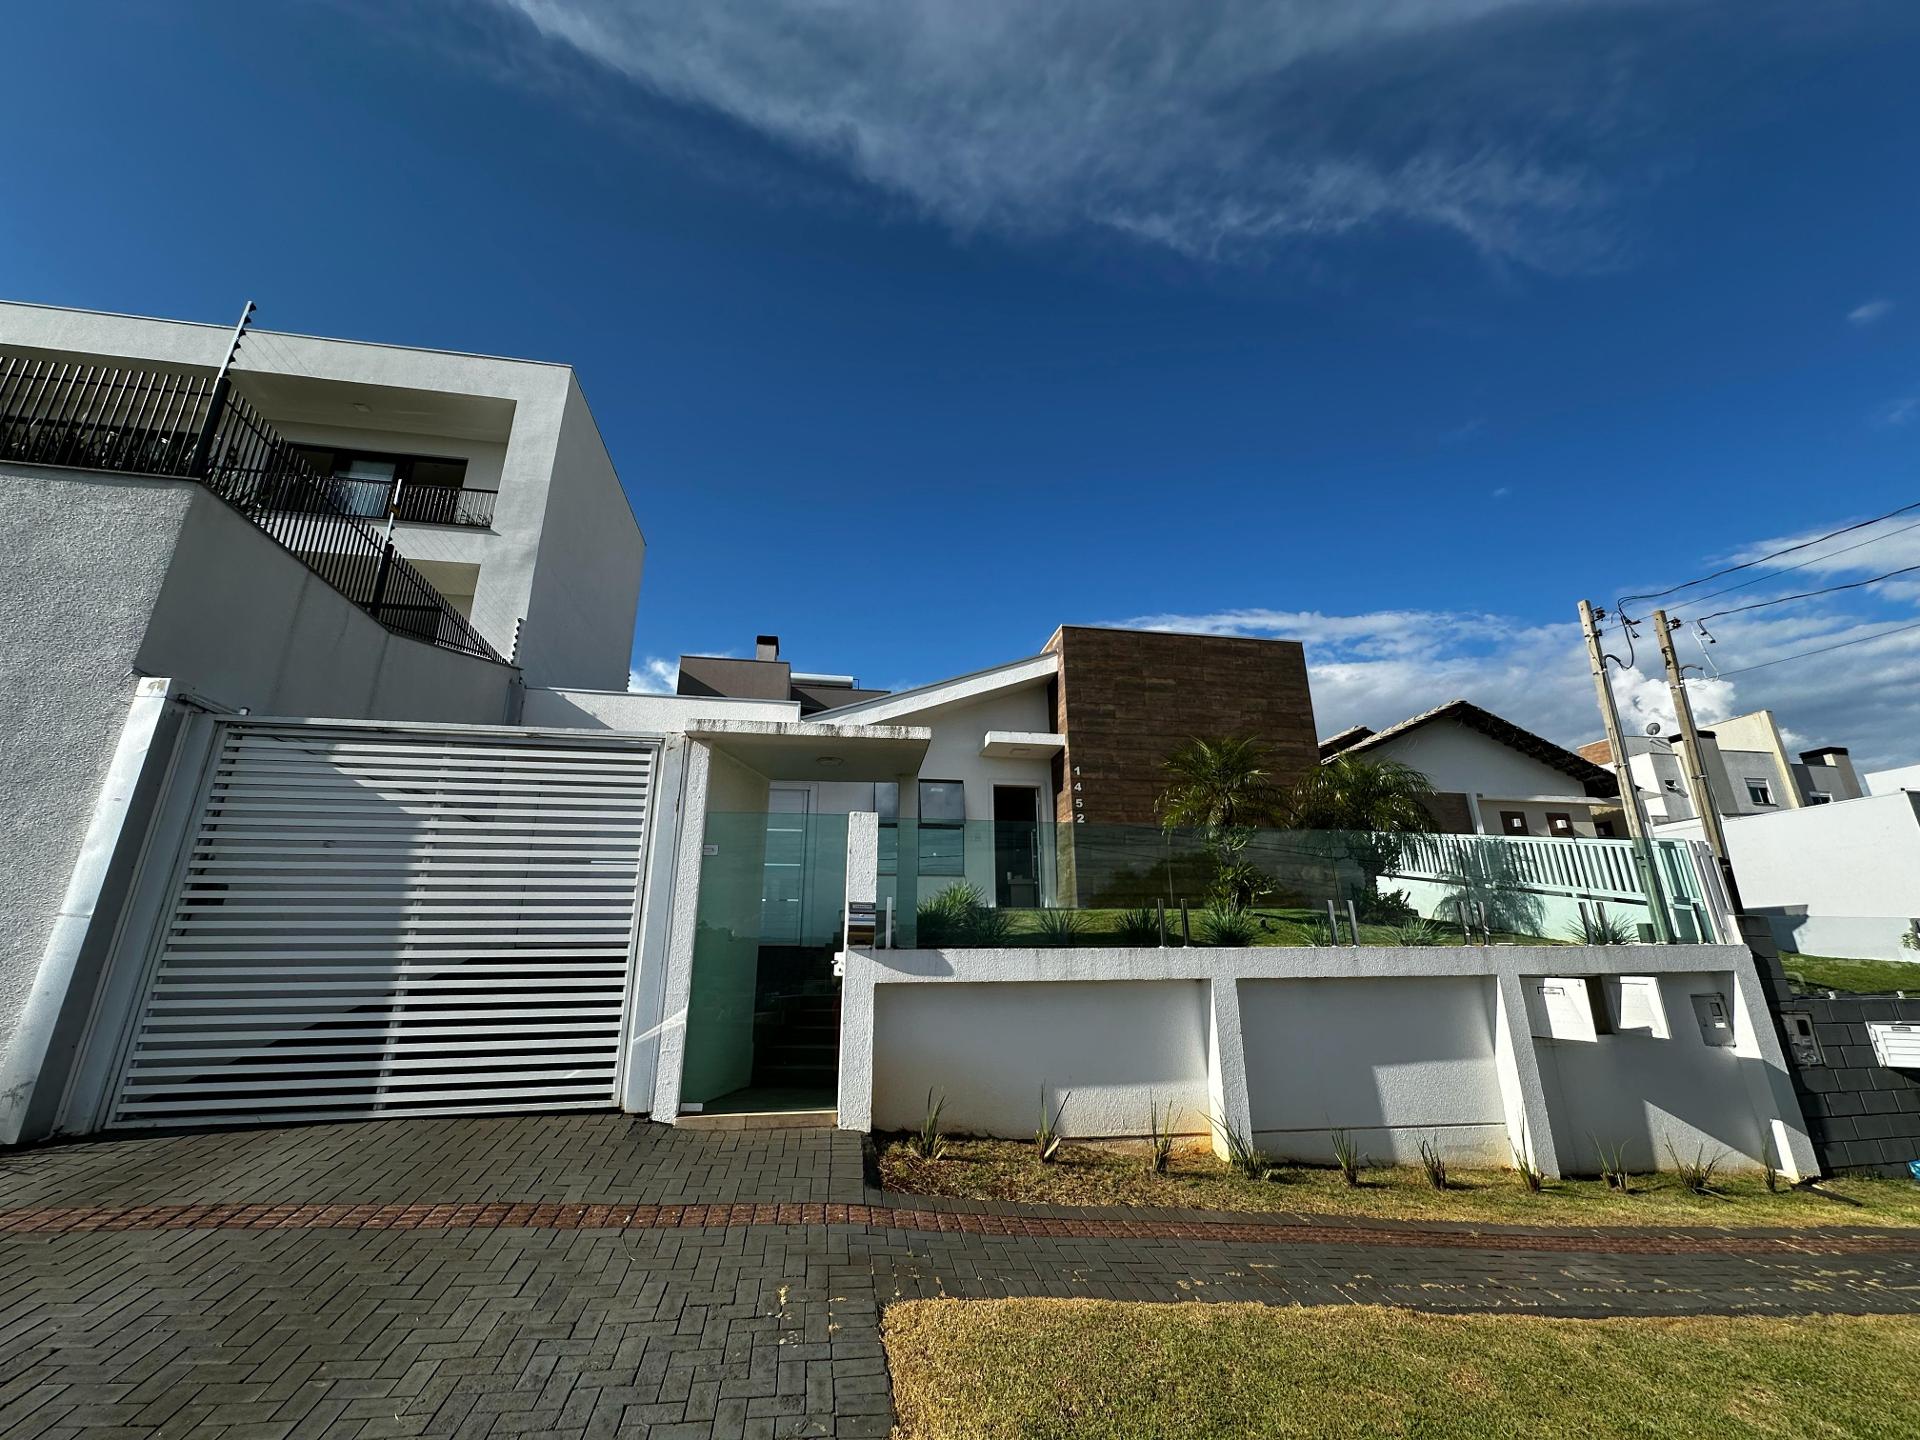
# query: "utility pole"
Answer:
x=1623 y=768
x=1696 y=762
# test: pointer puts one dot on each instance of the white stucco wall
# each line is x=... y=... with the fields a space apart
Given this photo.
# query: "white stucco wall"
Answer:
x=626 y=710
x=1891 y=782
x=1460 y=759
x=66 y=671
x=586 y=581
x=1391 y=1061
x=1840 y=879
x=990 y=1059
x=109 y=578
x=1657 y=1097
x=1394 y=1043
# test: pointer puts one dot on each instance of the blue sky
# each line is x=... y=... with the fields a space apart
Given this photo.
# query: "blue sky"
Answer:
x=916 y=328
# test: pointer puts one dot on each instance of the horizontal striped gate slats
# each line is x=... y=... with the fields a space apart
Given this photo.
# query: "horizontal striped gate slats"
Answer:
x=383 y=922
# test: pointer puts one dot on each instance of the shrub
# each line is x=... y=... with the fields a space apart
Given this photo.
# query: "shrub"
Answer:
x=1046 y=1140
x=1600 y=928
x=1418 y=931
x=960 y=915
x=1346 y=1154
x=989 y=927
x=930 y=1143
x=1227 y=925
x=1159 y=1137
x=945 y=917
x=1391 y=907
x=1530 y=1174
x=1059 y=927
x=1242 y=1157
x=1139 y=926
x=1613 y=1165
x=1696 y=1173
x=1434 y=1163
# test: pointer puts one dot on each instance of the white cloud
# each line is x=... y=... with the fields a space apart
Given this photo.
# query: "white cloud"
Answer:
x=1380 y=667
x=654 y=676
x=1212 y=128
x=1868 y=313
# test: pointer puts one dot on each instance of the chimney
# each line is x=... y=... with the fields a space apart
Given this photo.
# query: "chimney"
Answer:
x=766 y=647
x=1837 y=763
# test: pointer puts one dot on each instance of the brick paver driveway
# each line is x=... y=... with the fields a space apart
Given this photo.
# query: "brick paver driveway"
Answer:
x=593 y=1275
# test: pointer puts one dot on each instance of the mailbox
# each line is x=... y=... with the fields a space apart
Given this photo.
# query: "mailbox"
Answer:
x=1895 y=1045
x=1716 y=1020
x=862 y=920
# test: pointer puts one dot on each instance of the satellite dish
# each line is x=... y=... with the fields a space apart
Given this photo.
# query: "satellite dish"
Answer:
x=1653 y=727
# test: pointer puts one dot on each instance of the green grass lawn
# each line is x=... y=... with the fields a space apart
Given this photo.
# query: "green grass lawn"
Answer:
x=1098 y=1175
x=1279 y=925
x=1855 y=977
x=1104 y=1370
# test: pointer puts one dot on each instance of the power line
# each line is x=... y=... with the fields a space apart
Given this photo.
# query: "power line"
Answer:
x=1749 y=564
x=1820 y=650
x=1809 y=594
x=1802 y=564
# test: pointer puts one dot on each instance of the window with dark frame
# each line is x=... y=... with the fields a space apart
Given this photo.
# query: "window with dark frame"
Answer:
x=943 y=827
x=1559 y=826
x=364 y=481
x=1759 y=791
x=1513 y=822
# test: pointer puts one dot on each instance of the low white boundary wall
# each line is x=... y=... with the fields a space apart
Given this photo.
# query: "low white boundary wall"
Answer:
x=1460 y=1044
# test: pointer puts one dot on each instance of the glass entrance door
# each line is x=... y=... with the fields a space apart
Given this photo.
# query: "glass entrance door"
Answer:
x=1016 y=846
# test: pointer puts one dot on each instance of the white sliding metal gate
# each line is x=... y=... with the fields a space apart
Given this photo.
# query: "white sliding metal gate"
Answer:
x=385 y=921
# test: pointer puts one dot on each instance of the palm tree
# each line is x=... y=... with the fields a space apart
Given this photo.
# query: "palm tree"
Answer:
x=1351 y=792
x=1218 y=784
x=1370 y=804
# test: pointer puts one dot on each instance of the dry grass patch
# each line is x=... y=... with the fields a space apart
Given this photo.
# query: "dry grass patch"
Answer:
x=1102 y=1370
x=1098 y=1175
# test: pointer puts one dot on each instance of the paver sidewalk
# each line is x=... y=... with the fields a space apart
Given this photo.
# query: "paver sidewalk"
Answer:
x=593 y=1275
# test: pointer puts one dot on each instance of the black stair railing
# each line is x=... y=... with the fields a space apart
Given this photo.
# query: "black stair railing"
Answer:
x=141 y=422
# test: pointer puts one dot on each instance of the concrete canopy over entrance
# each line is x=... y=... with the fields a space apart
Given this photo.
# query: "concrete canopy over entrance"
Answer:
x=809 y=750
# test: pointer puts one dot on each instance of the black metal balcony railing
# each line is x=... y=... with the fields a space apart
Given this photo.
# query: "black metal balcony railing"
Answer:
x=423 y=504
x=138 y=422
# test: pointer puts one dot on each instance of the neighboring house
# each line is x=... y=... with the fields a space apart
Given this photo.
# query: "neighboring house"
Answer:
x=767 y=677
x=1075 y=735
x=1891 y=781
x=1489 y=776
x=1747 y=768
x=491 y=471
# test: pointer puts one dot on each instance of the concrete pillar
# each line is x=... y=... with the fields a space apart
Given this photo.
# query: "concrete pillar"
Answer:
x=37 y=1060
x=855 y=1097
x=1763 y=1066
x=1522 y=1093
x=1227 y=1101
x=669 y=1034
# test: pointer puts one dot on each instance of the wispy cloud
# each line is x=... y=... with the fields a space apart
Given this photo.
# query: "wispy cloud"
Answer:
x=1846 y=675
x=1215 y=128
x=1903 y=410
x=654 y=676
x=1869 y=312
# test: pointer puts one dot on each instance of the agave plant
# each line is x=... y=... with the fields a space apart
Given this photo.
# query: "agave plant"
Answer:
x=1046 y=1139
x=931 y=1143
x=1228 y=925
x=1139 y=926
x=1060 y=927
